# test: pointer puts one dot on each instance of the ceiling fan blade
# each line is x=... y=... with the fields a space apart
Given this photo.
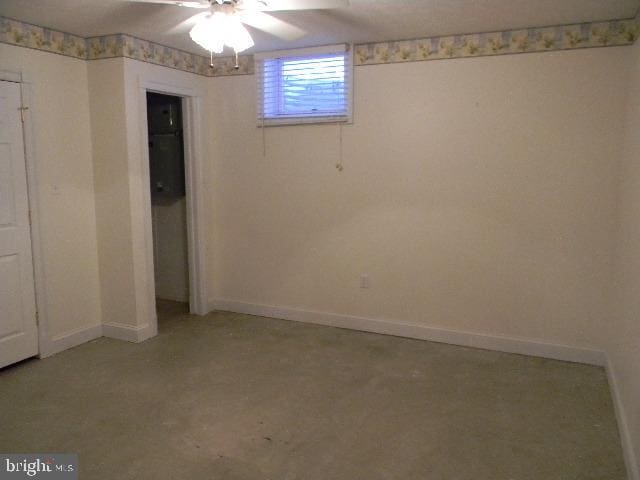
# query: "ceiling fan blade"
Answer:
x=187 y=24
x=179 y=3
x=271 y=25
x=274 y=5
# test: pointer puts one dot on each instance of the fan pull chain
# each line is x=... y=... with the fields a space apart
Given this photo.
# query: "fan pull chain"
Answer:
x=237 y=66
x=211 y=64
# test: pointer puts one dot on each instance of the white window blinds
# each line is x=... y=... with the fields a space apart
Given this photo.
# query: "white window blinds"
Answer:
x=304 y=86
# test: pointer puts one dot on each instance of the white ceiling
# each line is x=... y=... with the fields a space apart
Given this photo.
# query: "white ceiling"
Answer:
x=364 y=21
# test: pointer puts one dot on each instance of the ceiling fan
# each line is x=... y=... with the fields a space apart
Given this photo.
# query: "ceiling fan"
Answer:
x=223 y=22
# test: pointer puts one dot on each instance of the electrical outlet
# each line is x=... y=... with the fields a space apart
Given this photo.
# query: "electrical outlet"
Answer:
x=364 y=281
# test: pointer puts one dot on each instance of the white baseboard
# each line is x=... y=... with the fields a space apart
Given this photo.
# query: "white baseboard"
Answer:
x=630 y=458
x=523 y=346
x=70 y=339
x=129 y=333
x=82 y=335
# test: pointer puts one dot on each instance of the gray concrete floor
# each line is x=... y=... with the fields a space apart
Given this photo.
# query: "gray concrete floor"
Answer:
x=235 y=397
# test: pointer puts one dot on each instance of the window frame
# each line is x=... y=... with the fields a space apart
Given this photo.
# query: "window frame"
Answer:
x=341 y=49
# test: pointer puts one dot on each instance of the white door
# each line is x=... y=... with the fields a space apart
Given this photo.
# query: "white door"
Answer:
x=18 y=329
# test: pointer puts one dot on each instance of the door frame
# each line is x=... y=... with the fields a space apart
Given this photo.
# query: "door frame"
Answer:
x=194 y=188
x=45 y=345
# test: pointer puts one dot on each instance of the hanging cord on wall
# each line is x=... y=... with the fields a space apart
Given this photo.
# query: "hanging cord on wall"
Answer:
x=339 y=164
x=264 y=139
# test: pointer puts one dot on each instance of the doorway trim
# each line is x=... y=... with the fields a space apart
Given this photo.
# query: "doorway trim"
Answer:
x=195 y=201
x=45 y=344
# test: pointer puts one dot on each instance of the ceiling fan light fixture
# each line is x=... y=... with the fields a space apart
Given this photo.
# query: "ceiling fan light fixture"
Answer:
x=208 y=34
x=214 y=31
x=236 y=35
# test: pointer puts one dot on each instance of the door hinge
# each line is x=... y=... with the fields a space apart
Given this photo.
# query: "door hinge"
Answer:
x=22 y=110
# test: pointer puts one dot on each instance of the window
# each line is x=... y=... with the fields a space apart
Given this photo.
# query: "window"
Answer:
x=304 y=86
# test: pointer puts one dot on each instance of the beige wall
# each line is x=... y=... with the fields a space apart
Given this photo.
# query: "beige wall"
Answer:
x=60 y=116
x=110 y=154
x=624 y=331
x=477 y=194
x=491 y=172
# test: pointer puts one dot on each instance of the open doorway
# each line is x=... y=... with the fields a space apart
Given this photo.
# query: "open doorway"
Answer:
x=168 y=201
x=192 y=170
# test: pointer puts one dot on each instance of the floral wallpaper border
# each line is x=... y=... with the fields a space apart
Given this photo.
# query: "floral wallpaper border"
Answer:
x=543 y=39
x=15 y=32
x=121 y=45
